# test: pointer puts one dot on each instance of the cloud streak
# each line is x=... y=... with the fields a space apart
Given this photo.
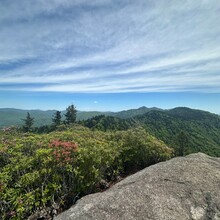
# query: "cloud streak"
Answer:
x=110 y=46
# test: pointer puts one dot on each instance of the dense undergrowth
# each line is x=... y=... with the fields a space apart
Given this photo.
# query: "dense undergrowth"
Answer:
x=44 y=173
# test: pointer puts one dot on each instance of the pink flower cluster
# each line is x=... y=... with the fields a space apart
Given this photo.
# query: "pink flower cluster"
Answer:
x=63 y=151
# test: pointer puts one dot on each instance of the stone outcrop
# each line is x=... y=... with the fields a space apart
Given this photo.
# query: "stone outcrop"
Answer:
x=179 y=189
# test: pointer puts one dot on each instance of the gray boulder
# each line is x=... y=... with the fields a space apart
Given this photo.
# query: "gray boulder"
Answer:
x=179 y=189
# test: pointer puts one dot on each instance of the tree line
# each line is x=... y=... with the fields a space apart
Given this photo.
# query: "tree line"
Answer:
x=180 y=141
x=70 y=118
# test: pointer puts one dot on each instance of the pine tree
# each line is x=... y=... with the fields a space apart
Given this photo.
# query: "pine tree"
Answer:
x=28 y=122
x=70 y=114
x=182 y=142
x=57 y=118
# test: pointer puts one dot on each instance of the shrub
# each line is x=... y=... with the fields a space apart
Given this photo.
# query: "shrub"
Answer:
x=139 y=149
x=38 y=171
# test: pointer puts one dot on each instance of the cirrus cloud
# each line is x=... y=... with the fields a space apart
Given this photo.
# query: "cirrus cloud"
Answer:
x=110 y=46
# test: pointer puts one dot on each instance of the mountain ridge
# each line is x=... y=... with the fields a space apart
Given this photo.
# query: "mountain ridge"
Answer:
x=14 y=116
x=201 y=130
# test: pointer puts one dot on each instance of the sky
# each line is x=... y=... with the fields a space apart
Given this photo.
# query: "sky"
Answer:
x=110 y=55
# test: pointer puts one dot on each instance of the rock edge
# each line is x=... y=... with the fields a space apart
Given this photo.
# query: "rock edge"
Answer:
x=182 y=188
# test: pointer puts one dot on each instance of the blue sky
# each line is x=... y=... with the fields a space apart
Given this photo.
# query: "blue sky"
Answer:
x=110 y=54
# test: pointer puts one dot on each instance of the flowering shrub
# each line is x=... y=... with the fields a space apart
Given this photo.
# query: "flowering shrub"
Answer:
x=63 y=151
x=39 y=172
x=36 y=173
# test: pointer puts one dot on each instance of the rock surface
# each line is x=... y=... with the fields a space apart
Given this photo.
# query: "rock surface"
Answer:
x=179 y=189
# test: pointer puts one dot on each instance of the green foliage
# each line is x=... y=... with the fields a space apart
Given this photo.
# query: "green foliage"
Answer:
x=84 y=115
x=105 y=123
x=181 y=144
x=57 y=118
x=34 y=174
x=40 y=170
x=133 y=112
x=201 y=128
x=70 y=114
x=28 y=122
x=139 y=149
x=44 y=129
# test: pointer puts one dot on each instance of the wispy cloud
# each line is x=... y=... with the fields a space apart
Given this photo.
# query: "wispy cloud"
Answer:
x=110 y=46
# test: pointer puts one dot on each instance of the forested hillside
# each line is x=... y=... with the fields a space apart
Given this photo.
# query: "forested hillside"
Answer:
x=105 y=123
x=202 y=129
x=133 y=112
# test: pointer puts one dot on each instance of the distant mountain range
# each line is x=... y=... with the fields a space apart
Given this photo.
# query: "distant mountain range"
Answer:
x=202 y=127
x=11 y=116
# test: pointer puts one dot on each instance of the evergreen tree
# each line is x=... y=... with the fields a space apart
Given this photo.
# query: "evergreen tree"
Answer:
x=70 y=114
x=57 y=118
x=28 y=122
x=182 y=143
